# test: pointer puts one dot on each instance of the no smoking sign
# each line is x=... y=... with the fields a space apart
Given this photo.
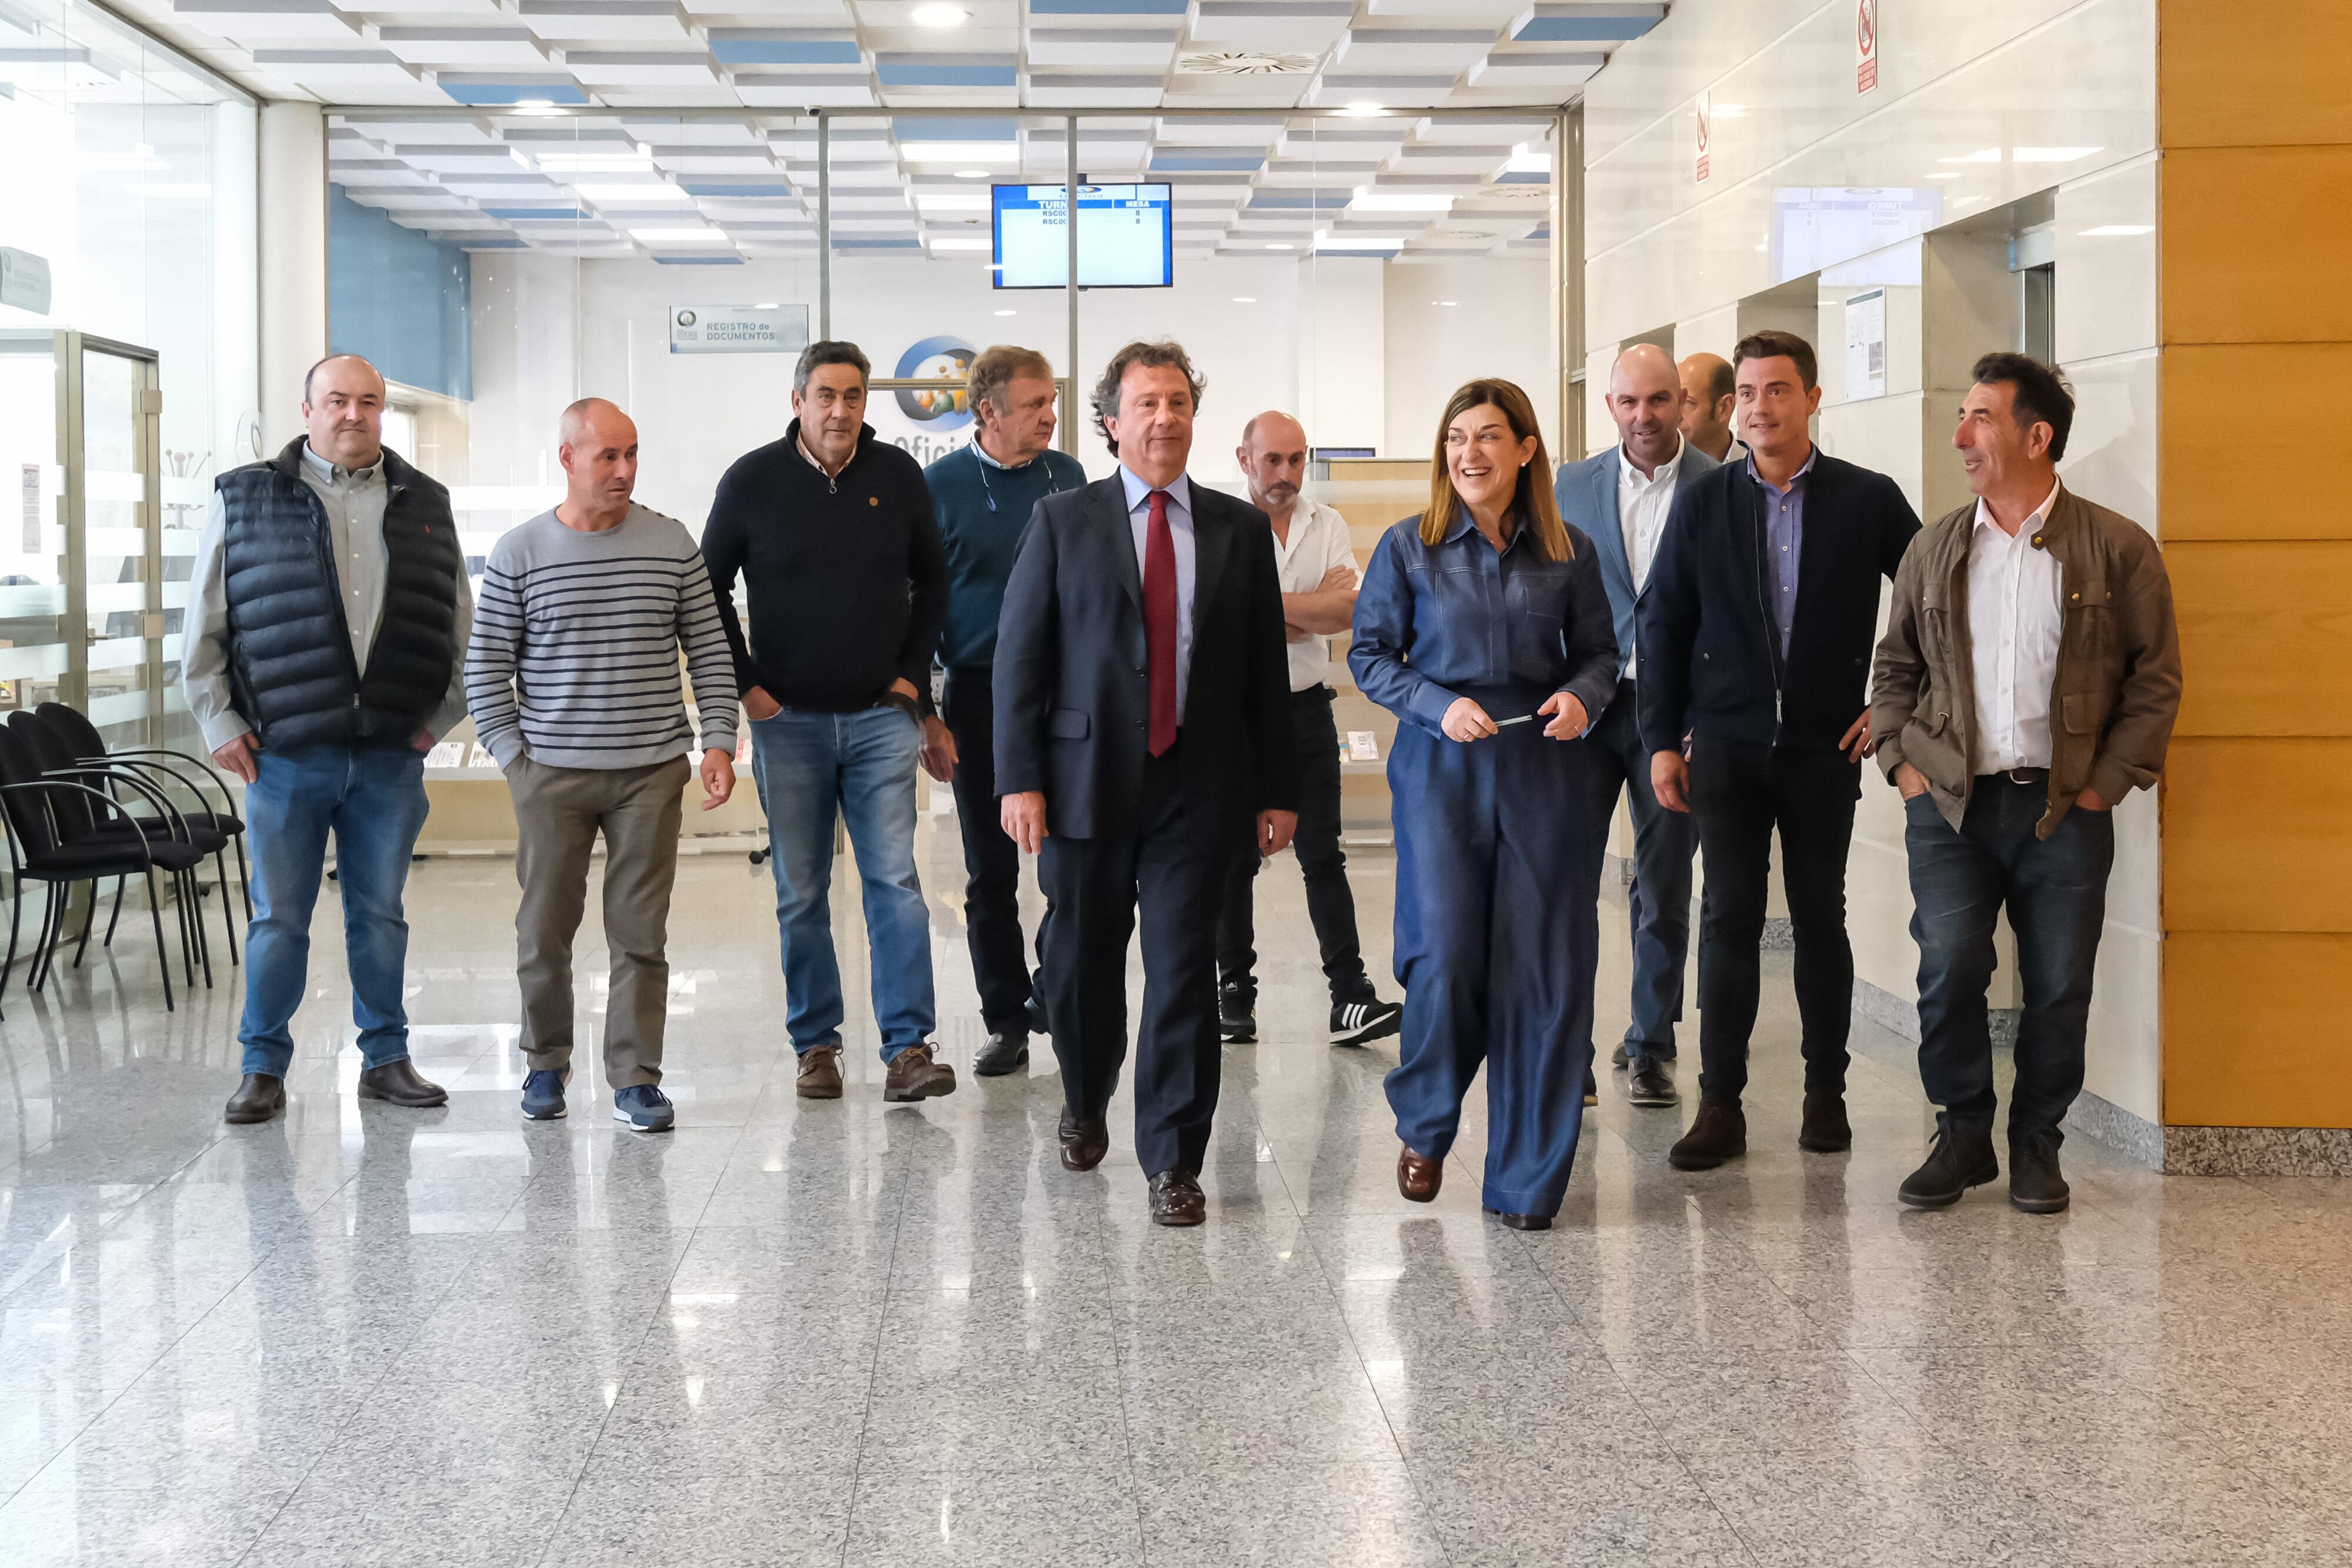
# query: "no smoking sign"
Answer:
x=1866 y=47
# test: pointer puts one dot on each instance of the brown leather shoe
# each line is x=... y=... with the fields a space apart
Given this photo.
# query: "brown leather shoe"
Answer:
x=258 y=1099
x=1176 y=1199
x=1520 y=1221
x=399 y=1083
x=1418 y=1179
x=1717 y=1134
x=1825 y=1130
x=820 y=1074
x=1085 y=1141
x=913 y=1075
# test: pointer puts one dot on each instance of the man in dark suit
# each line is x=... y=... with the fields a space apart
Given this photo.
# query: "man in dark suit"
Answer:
x=1756 y=632
x=1142 y=738
x=1620 y=499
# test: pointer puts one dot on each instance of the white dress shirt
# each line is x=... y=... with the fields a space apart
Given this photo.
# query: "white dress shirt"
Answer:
x=1318 y=542
x=1642 y=503
x=354 y=503
x=1180 y=532
x=2013 y=627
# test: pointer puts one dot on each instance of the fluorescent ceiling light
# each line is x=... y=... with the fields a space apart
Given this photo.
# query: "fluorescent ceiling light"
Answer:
x=1364 y=109
x=2118 y=231
x=940 y=15
x=959 y=242
x=1244 y=299
x=1276 y=244
x=1005 y=312
x=2050 y=154
x=960 y=152
x=1981 y=156
x=1372 y=200
x=680 y=237
x=1446 y=302
x=622 y=195
x=971 y=174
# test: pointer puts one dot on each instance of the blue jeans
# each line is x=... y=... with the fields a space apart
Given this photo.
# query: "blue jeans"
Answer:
x=373 y=798
x=2056 y=891
x=808 y=767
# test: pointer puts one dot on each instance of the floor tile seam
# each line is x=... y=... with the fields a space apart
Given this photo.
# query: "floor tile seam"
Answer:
x=1118 y=1392
x=874 y=1363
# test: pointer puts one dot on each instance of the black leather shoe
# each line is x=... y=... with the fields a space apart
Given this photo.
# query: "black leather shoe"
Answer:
x=399 y=1082
x=1085 y=1141
x=1176 y=1199
x=1962 y=1158
x=1717 y=1134
x=1651 y=1083
x=2035 y=1185
x=258 y=1099
x=1521 y=1221
x=1003 y=1053
x=1824 y=1130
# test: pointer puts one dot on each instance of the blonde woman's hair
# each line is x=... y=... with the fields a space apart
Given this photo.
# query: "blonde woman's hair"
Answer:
x=1533 y=502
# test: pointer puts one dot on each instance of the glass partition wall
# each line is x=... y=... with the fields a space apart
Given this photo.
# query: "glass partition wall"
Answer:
x=1348 y=268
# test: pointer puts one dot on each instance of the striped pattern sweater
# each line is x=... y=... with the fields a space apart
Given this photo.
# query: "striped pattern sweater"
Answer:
x=574 y=660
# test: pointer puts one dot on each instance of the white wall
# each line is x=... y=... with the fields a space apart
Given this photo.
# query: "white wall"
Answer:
x=293 y=212
x=2061 y=93
x=1499 y=324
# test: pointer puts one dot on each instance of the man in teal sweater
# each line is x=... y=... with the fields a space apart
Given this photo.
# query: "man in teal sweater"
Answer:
x=982 y=495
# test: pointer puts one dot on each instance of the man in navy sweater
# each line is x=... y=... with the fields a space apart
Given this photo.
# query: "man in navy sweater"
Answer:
x=1756 y=632
x=982 y=497
x=846 y=587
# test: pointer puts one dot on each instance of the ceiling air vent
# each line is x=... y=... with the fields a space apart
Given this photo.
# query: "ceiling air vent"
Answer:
x=1245 y=63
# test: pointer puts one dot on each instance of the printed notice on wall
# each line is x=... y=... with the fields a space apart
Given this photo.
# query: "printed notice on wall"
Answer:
x=1705 y=114
x=1866 y=345
x=1866 y=47
x=739 y=328
x=32 y=485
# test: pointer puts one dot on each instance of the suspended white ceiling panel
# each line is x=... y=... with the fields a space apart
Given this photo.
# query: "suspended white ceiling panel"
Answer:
x=466 y=46
x=1309 y=25
x=629 y=21
x=241 y=20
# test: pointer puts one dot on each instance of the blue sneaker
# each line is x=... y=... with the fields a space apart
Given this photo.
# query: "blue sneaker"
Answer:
x=644 y=1107
x=543 y=1094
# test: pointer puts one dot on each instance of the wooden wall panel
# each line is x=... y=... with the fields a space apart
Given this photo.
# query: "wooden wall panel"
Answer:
x=2266 y=75
x=2258 y=1031
x=2265 y=637
x=2219 y=485
x=2253 y=243
x=2258 y=836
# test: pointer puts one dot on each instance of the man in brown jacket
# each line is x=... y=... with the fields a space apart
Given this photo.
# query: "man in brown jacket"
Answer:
x=2027 y=682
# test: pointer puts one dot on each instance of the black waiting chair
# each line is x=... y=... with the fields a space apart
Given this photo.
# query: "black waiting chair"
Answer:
x=56 y=754
x=88 y=746
x=65 y=830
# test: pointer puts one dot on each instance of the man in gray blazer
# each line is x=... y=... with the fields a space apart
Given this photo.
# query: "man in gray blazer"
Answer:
x=1620 y=499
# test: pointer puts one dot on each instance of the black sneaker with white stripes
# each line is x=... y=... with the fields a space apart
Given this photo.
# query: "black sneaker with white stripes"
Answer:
x=1359 y=1023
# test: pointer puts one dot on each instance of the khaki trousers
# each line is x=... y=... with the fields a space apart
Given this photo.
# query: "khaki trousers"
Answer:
x=558 y=813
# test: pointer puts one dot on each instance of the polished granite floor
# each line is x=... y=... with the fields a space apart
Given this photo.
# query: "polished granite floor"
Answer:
x=797 y=1333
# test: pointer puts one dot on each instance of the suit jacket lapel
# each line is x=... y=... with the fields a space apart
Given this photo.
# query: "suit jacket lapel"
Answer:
x=1609 y=533
x=1109 y=504
x=1212 y=544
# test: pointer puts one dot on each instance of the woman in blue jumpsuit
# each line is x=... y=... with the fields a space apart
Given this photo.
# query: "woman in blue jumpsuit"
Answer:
x=1489 y=636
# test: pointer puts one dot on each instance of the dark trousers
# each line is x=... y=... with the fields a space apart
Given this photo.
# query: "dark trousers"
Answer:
x=1663 y=842
x=2056 y=891
x=991 y=863
x=1497 y=934
x=1330 y=904
x=1740 y=793
x=1095 y=885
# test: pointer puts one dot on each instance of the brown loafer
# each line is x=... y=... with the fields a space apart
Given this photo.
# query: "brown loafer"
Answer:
x=1176 y=1200
x=1085 y=1141
x=913 y=1075
x=820 y=1074
x=1825 y=1130
x=1418 y=1179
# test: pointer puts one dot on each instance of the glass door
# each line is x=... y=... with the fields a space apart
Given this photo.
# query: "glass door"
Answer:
x=33 y=654
x=112 y=451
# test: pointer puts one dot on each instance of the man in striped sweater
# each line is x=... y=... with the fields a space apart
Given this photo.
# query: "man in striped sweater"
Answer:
x=571 y=678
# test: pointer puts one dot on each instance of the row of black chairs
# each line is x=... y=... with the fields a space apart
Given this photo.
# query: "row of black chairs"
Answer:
x=78 y=813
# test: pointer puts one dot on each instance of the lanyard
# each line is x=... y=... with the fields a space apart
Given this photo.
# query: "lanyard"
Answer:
x=980 y=458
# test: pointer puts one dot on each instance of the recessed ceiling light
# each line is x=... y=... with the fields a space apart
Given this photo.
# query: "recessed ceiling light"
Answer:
x=940 y=15
x=1244 y=299
x=1005 y=312
x=534 y=103
x=1279 y=246
x=1446 y=302
x=971 y=174
x=1364 y=109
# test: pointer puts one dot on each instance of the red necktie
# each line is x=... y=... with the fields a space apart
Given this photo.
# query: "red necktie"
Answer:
x=1159 y=623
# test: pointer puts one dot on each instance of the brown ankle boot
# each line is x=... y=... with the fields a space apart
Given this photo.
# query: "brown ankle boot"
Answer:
x=913 y=1075
x=1719 y=1132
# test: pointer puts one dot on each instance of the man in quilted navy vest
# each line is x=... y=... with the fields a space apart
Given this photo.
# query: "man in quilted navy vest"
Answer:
x=329 y=615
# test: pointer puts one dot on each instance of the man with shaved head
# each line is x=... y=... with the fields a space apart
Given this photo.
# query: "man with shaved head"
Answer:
x=572 y=675
x=1621 y=498
x=328 y=613
x=1708 y=399
x=1317 y=564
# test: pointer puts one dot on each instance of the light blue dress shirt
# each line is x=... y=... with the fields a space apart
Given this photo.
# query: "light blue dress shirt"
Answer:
x=1784 y=541
x=1180 y=532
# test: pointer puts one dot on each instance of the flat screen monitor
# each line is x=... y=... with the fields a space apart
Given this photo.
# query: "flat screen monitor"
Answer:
x=1124 y=233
